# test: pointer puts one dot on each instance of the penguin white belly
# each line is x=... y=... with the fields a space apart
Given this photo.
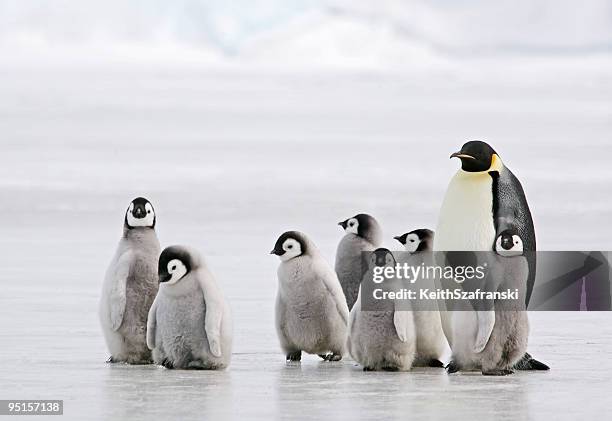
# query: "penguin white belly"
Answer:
x=466 y=217
x=465 y=224
x=465 y=329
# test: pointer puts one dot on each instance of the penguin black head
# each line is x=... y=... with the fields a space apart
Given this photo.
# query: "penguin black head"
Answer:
x=509 y=243
x=174 y=263
x=363 y=225
x=382 y=257
x=290 y=244
x=140 y=213
x=417 y=240
x=476 y=156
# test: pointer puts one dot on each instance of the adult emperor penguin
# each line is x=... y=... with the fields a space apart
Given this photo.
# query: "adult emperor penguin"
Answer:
x=363 y=233
x=483 y=200
x=311 y=311
x=382 y=338
x=130 y=286
x=431 y=342
x=189 y=324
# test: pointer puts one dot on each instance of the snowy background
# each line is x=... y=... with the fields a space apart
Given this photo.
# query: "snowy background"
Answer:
x=240 y=120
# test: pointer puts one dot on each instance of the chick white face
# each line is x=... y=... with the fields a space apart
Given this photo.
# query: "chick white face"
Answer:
x=352 y=226
x=412 y=243
x=292 y=248
x=509 y=245
x=176 y=269
x=140 y=215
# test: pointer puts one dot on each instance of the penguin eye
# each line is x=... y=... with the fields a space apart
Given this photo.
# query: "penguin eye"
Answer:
x=351 y=224
x=174 y=267
x=412 y=241
x=148 y=211
x=290 y=246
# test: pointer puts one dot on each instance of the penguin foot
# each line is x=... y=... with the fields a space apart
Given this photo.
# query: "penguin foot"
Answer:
x=497 y=372
x=167 y=364
x=435 y=363
x=294 y=356
x=111 y=360
x=528 y=363
x=331 y=357
x=196 y=365
x=452 y=367
x=390 y=368
x=368 y=369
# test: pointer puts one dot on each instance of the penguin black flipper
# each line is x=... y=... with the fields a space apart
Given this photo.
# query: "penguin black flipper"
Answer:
x=510 y=209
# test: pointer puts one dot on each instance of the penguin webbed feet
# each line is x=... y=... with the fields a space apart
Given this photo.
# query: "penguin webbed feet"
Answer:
x=331 y=357
x=528 y=363
x=166 y=363
x=111 y=360
x=294 y=356
x=452 y=367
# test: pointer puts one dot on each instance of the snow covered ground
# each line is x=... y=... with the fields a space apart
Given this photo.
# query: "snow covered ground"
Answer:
x=230 y=161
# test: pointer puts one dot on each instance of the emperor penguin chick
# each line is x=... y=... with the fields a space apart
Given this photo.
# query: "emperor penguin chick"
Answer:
x=431 y=342
x=363 y=233
x=385 y=338
x=311 y=311
x=189 y=325
x=130 y=286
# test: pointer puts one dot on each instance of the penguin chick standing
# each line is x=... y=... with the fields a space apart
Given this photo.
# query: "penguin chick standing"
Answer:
x=493 y=338
x=189 y=324
x=385 y=338
x=130 y=286
x=431 y=342
x=363 y=233
x=311 y=310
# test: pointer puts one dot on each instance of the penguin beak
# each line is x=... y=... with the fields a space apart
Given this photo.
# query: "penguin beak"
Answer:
x=342 y=224
x=277 y=251
x=461 y=155
x=398 y=238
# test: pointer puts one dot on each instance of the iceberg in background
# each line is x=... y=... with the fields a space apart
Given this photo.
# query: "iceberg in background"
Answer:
x=382 y=35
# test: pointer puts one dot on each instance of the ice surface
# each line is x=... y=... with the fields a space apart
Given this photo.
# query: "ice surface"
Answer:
x=231 y=161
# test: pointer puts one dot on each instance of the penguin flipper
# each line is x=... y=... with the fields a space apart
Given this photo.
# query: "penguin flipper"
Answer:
x=403 y=324
x=118 y=294
x=332 y=284
x=152 y=325
x=214 y=311
x=486 y=322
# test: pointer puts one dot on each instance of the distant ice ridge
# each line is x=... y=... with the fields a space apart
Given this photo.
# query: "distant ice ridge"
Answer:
x=361 y=34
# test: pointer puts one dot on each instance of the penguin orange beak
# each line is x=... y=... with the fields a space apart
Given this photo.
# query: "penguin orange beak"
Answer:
x=461 y=155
